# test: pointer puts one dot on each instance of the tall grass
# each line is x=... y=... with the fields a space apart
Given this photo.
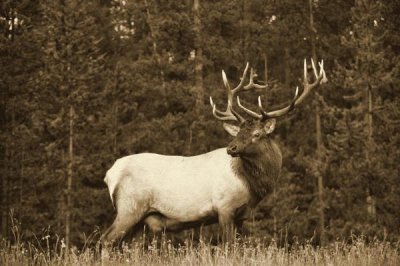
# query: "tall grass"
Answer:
x=241 y=252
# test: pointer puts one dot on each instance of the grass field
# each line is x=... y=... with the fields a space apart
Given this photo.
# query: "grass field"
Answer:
x=254 y=252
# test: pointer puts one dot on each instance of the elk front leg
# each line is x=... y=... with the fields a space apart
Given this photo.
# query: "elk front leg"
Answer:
x=227 y=226
x=241 y=214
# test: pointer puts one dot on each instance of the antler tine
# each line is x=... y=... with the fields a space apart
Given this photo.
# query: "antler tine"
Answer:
x=230 y=113
x=280 y=112
x=260 y=105
x=252 y=84
x=229 y=108
x=224 y=116
x=319 y=78
x=313 y=67
x=248 y=111
x=322 y=71
x=249 y=86
x=242 y=79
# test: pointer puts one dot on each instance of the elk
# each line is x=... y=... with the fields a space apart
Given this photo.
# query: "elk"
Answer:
x=176 y=192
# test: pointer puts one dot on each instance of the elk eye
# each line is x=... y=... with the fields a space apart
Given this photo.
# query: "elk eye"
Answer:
x=257 y=134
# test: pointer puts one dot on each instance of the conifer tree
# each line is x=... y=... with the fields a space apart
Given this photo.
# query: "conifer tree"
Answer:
x=367 y=81
x=73 y=63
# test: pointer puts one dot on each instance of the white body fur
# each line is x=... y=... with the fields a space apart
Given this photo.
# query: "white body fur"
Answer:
x=181 y=189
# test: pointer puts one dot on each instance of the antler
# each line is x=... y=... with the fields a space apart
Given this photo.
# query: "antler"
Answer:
x=319 y=78
x=230 y=113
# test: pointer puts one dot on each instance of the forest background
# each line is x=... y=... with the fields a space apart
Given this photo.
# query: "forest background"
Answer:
x=83 y=83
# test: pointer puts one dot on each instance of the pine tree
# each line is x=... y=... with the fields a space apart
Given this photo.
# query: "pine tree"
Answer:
x=19 y=59
x=366 y=81
x=68 y=82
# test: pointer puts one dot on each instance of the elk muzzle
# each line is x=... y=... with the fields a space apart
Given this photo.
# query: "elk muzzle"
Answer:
x=233 y=150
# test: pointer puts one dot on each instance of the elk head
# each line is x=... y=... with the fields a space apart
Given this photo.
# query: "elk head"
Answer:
x=250 y=132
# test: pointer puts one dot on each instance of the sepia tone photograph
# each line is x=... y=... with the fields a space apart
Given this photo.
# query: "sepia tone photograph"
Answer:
x=200 y=132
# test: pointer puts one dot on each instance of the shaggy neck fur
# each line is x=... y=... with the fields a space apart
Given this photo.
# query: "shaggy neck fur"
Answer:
x=261 y=170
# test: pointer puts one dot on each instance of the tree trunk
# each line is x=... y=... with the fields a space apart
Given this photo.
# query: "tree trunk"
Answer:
x=4 y=195
x=246 y=31
x=266 y=70
x=286 y=59
x=319 y=177
x=4 y=172
x=369 y=123
x=198 y=72
x=274 y=214
x=321 y=204
x=115 y=129
x=199 y=88
x=153 y=31
x=69 y=177
x=313 y=32
x=62 y=195
x=21 y=182
x=115 y=104
x=370 y=200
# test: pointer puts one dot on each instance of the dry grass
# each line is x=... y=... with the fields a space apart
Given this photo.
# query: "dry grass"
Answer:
x=254 y=252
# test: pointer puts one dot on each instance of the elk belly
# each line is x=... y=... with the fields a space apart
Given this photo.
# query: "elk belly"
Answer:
x=157 y=223
x=184 y=209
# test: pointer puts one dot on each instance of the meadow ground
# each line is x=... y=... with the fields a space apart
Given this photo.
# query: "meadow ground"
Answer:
x=248 y=252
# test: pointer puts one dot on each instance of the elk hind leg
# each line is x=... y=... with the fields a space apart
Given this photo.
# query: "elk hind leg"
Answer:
x=123 y=222
x=116 y=231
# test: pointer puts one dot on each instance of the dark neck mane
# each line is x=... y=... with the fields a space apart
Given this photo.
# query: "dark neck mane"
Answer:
x=261 y=170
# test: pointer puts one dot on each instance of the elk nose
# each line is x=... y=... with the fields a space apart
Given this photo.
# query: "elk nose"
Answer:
x=232 y=150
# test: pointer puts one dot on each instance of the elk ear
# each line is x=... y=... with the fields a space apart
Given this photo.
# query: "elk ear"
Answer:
x=269 y=126
x=231 y=129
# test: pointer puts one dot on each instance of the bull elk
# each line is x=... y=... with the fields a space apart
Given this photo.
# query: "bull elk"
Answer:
x=176 y=192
